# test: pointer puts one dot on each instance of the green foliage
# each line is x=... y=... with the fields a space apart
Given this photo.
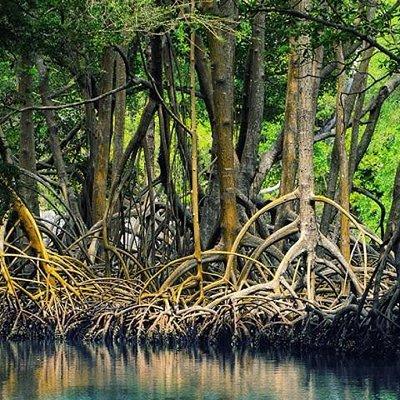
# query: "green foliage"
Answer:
x=377 y=170
x=72 y=34
x=269 y=134
x=8 y=176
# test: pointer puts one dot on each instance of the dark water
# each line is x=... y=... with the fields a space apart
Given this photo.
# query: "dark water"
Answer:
x=63 y=372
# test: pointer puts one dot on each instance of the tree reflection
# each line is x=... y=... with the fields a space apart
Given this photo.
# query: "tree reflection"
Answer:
x=50 y=371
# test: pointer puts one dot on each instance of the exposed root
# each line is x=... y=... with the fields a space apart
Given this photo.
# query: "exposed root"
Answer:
x=251 y=293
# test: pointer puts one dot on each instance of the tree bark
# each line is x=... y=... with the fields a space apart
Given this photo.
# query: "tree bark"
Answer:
x=210 y=204
x=253 y=106
x=194 y=152
x=289 y=153
x=308 y=88
x=349 y=100
x=101 y=145
x=393 y=224
x=27 y=151
x=344 y=186
x=119 y=115
x=222 y=52
x=54 y=140
x=90 y=123
x=358 y=108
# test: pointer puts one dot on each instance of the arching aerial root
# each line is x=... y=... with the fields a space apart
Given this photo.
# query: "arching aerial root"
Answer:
x=252 y=292
x=180 y=279
x=247 y=295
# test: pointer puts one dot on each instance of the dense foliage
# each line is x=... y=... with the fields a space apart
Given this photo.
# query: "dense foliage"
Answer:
x=201 y=154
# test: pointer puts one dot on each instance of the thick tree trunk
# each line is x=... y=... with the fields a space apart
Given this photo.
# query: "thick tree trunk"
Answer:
x=119 y=115
x=253 y=107
x=210 y=205
x=101 y=145
x=27 y=151
x=308 y=88
x=289 y=153
x=222 y=52
x=118 y=136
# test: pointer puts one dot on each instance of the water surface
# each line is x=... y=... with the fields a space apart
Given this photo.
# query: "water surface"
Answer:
x=65 y=372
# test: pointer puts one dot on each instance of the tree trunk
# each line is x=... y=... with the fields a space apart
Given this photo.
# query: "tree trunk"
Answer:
x=354 y=100
x=210 y=207
x=101 y=145
x=344 y=185
x=308 y=87
x=358 y=109
x=90 y=129
x=393 y=224
x=222 y=52
x=289 y=156
x=54 y=141
x=194 y=153
x=119 y=115
x=27 y=152
x=253 y=106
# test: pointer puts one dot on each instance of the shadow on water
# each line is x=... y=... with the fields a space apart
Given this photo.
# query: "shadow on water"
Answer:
x=63 y=372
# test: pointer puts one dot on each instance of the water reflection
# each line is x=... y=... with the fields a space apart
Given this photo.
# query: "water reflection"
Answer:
x=63 y=372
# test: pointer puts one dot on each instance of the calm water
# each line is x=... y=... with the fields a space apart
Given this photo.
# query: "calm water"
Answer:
x=63 y=372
